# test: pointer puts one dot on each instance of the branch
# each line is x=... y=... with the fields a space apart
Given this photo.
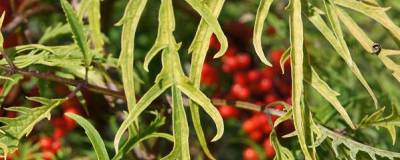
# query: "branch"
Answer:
x=77 y=83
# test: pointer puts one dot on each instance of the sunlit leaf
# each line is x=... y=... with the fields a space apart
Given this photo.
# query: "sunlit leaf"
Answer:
x=77 y=31
x=212 y=21
x=16 y=128
x=261 y=15
x=93 y=135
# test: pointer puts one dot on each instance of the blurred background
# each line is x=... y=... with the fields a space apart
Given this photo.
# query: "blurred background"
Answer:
x=237 y=76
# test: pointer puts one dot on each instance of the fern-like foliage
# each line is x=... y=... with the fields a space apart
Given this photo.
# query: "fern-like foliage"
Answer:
x=16 y=128
x=377 y=119
x=353 y=146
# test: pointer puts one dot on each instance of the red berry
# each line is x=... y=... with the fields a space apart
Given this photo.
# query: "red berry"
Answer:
x=244 y=60
x=209 y=75
x=240 y=92
x=228 y=112
x=249 y=125
x=230 y=64
x=256 y=135
x=261 y=119
x=270 y=98
x=271 y=31
x=265 y=85
x=45 y=143
x=250 y=154
x=239 y=78
x=268 y=148
x=58 y=133
x=276 y=56
x=55 y=146
x=267 y=128
x=268 y=73
x=214 y=42
x=253 y=75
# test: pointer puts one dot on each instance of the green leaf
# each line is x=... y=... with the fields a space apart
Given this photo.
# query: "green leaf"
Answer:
x=339 y=44
x=93 y=136
x=329 y=94
x=7 y=86
x=77 y=31
x=212 y=21
x=166 y=27
x=261 y=15
x=1 y=26
x=129 y=24
x=54 y=31
x=180 y=127
x=197 y=96
x=15 y=128
x=147 y=133
x=389 y=122
x=155 y=91
x=198 y=48
x=282 y=153
x=94 y=24
x=353 y=146
x=296 y=41
x=375 y=12
x=367 y=43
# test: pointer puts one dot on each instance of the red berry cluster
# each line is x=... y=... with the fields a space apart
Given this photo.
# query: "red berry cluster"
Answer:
x=62 y=124
x=250 y=83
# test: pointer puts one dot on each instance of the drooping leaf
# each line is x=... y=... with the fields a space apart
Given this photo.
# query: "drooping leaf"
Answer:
x=337 y=41
x=198 y=48
x=296 y=41
x=261 y=15
x=129 y=24
x=16 y=128
x=94 y=24
x=77 y=31
x=329 y=94
x=93 y=135
x=368 y=44
x=212 y=22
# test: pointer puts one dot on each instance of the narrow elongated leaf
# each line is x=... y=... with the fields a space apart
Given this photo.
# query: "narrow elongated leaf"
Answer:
x=329 y=94
x=375 y=12
x=15 y=128
x=166 y=26
x=353 y=146
x=77 y=31
x=94 y=24
x=367 y=43
x=142 y=104
x=201 y=99
x=282 y=153
x=93 y=136
x=198 y=48
x=339 y=44
x=296 y=41
x=1 y=26
x=180 y=128
x=148 y=133
x=129 y=24
x=212 y=21
x=54 y=31
x=261 y=15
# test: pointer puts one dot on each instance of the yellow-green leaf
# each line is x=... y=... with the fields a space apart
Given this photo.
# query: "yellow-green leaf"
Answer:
x=261 y=15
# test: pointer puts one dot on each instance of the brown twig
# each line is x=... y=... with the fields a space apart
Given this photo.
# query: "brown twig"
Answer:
x=76 y=83
x=20 y=18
